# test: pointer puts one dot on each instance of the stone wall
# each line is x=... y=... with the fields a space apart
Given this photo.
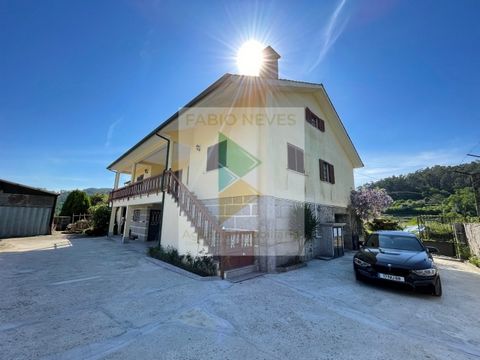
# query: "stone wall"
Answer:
x=139 y=227
x=270 y=217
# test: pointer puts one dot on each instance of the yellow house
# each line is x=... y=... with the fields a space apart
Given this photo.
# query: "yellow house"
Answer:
x=222 y=176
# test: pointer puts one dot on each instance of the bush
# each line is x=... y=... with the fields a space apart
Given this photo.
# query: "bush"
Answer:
x=475 y=261
x=100 y=220
x=381 y=224
x=200 y=265
x=303 y=225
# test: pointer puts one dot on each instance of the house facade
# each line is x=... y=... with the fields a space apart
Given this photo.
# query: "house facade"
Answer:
x=222 y=176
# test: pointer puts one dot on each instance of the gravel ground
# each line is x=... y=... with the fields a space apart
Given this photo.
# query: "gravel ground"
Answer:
x=94 y=298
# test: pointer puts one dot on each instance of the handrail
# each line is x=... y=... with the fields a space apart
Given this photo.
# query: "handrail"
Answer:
x=206 y=226
x=143 y=187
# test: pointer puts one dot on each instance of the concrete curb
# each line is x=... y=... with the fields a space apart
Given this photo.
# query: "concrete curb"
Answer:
x=291 y=267
x=180 y=271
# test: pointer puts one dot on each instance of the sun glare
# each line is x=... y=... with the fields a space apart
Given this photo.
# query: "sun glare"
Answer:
x=250 y=58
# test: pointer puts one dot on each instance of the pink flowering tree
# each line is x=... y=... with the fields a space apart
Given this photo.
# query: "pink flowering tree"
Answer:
x=369 y=203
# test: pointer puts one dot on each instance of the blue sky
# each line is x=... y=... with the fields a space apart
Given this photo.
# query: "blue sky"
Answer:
x=83 y=81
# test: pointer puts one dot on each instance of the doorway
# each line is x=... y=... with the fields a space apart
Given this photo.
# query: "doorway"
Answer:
x=338 y=241
x=154 y=225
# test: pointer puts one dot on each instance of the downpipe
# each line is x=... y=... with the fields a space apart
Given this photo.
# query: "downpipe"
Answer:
x=163 y=185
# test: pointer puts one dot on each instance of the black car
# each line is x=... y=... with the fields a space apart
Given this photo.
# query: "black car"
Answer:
x=398 y=257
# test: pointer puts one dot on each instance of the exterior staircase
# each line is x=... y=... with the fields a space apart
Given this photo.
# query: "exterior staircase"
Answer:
x=232 y=248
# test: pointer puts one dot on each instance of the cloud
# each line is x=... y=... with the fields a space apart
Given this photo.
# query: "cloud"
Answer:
x=111 y=128
x=379 y=166
x=331 y=32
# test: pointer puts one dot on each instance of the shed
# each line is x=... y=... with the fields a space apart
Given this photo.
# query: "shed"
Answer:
x=24 y=210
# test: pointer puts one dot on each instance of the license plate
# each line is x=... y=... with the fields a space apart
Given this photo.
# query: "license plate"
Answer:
x=391 y=277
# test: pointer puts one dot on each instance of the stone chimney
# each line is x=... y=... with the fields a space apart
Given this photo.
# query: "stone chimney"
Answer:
x=270 y=63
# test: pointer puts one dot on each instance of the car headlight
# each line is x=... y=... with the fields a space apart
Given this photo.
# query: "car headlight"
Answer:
x=425 y=272
x=360 y=262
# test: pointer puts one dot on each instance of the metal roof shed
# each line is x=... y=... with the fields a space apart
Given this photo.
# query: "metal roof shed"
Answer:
x=24 y=210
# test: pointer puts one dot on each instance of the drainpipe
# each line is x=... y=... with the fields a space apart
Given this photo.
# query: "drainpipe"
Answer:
x=163 y=184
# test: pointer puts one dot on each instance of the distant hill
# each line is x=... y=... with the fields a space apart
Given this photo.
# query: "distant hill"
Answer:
x=90 y=191
x=427 y=191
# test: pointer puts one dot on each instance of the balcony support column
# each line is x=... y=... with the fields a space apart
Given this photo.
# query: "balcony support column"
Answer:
x=128 y=220
x=117 y=180
x=134 y=170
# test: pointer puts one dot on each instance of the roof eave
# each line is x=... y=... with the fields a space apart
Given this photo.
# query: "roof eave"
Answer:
x=172 y=118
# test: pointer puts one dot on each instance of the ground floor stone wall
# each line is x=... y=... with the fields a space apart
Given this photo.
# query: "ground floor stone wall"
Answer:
x=137 y=220
x=270 y=217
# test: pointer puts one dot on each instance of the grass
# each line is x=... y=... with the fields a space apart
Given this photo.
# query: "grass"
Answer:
x=200 y=265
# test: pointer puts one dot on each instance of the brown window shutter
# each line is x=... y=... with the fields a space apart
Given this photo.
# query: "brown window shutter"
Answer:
x=320 y=166
x=321 y=125
x=300 y=161
x=332 y=173
x=290 y=157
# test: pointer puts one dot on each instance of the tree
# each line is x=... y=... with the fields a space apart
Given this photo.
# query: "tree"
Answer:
x=369 y=203
x=462 y=202
x=98 y=199
x=77 y=202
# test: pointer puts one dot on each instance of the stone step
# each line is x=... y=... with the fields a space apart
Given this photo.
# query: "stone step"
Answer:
x=240 y=271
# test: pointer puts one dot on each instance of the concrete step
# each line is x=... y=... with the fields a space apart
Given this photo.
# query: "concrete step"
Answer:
x=240 y=271
x=244 y=277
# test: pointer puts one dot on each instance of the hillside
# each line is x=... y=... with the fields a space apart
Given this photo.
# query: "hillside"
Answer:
x=90 y=191
x=434 y=190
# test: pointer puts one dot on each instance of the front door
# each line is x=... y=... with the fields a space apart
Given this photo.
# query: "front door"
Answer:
x=154 y=225
x=337 y=241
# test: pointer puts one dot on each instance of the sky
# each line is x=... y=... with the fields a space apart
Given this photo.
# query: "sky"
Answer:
x=82 y=81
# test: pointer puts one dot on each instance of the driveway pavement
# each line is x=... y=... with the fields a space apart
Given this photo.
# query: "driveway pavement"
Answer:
x=95 y=298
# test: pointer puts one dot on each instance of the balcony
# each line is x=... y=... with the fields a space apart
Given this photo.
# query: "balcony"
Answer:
x=151 y=185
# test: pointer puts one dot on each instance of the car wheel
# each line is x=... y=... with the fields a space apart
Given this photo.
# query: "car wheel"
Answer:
x=357 y=276
x=437 y=290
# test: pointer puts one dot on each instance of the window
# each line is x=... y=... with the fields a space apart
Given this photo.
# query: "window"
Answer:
x=136 y=215
x=217 y=156
x=327 y=172
x=314 y=120
x=409 y=243
x=295 y=158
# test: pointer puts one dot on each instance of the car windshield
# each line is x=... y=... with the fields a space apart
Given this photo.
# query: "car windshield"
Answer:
x=397 y=242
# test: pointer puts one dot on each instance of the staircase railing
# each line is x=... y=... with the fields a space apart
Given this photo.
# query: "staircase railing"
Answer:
x=219 y=240
x=143 y=187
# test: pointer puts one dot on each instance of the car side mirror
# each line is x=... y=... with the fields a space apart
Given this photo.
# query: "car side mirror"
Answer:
x=361 y=243
x=432 y=250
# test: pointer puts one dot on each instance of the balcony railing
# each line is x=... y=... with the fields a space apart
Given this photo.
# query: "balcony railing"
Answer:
x=143 y=187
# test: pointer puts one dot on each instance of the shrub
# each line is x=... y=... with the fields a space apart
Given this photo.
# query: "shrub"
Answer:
x=100 y=220
x=475 y=261
x=200 y=265
x=382 y=224
x=303 y=225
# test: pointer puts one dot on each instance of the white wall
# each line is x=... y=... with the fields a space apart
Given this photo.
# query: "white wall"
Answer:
x=177 y=231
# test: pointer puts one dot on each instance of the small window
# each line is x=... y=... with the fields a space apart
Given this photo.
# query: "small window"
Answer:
x=314 y=120
x=327 y=172
x=217 y=156
x=136 y=215
x=295 y=159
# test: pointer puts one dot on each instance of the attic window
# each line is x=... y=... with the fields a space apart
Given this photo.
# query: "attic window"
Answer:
x=314 y=120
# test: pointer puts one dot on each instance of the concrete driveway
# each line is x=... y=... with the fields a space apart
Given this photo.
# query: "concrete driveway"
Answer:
x=95 y=298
